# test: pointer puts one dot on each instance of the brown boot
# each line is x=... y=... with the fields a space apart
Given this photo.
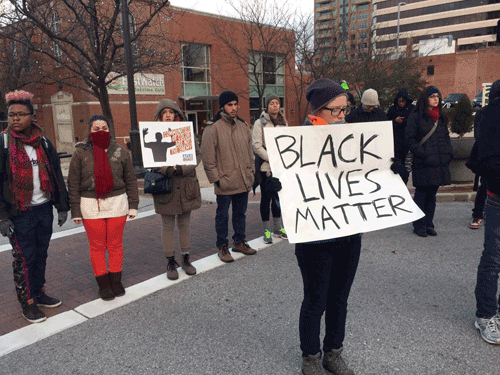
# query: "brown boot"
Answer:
x=311 y=365
x=187 y=266
x=224 y=254
x=244 y=248
x=172 y=265
x=334 y=363
x=105 y=291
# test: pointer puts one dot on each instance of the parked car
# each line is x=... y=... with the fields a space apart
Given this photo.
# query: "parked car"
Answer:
x=451 y=100
x=477 y=102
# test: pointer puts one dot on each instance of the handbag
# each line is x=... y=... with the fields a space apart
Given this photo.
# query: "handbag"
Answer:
x=156 y=183
x=409 y=157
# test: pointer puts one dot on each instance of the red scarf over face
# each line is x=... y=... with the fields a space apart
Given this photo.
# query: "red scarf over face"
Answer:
x=22 y=170
x=434 y=113
x=102 y=170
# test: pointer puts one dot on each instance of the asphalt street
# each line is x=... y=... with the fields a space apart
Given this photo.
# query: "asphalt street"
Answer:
x=411 y=311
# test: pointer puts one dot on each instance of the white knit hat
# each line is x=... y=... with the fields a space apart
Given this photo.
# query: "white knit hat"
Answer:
x=370 y=97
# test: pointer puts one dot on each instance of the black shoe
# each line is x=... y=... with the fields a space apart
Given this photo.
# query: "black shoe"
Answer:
x=420 y=232
x=116 y=283
x=45 y=301
x=32 y=313
x=105 y=291
x=431 y=232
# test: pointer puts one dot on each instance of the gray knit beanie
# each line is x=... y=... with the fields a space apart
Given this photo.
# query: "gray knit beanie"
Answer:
x=322 y=91
x=270 y=97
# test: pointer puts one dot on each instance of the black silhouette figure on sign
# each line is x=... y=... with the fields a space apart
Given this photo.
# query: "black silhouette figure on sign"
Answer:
x=158 y=148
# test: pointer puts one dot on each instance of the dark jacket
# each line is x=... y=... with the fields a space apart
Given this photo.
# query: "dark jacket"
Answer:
x=430 y=160
x=488 y=142
x=81 y=180
x=60 y=201
x=359 y=115
x=395 y=111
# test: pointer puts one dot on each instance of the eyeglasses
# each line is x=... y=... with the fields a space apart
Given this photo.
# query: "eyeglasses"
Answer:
x=337 y=110
x=20 y=115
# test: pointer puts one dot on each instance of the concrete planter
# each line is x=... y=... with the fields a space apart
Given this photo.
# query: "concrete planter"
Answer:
x=462 y=147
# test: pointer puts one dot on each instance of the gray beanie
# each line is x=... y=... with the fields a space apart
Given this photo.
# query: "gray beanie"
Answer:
x=322 y=91
x=270 y=97
x=370 y=97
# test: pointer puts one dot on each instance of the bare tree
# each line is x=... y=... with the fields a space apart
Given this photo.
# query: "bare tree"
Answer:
x=83 y=39
x=262 y=44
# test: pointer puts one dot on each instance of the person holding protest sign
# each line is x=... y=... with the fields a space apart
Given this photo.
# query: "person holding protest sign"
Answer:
x=486 y=292
x=102 y=190
x=32 y=184
x=368 y=110
x=228 y=160
x=184 y=198
x=328 y=267
x=427 y=137
x=270 y=117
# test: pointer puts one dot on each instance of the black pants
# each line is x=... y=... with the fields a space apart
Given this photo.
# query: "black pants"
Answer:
x=328 y=271
x=266 y=199
x=30 y=242
x=478 y=210
x=425 y=198
x=240 y=204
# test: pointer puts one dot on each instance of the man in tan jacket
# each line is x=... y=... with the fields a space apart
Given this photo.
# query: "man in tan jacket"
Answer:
x=228 y=160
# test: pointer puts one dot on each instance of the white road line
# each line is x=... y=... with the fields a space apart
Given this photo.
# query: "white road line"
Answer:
x=28 y=335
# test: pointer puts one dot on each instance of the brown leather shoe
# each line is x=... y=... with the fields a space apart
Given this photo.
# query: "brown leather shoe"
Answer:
x=333 y=362
x=244 y=248
x=172 y=265
x=187 y=266
x=224 y=254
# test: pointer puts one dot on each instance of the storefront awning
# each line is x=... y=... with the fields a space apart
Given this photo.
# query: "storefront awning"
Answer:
x=201 y=97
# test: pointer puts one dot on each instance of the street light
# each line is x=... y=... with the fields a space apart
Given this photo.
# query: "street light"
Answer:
x=134 y=127
x=397 y=34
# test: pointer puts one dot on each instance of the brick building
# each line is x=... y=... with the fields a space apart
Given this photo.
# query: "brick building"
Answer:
x=205 y=69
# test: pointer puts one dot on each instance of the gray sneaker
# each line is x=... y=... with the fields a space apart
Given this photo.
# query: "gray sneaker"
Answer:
x=489 y=329
x=311 y=365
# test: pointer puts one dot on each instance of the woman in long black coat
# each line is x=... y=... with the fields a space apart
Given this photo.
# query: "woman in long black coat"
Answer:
x=431 y=159
x=399 y=113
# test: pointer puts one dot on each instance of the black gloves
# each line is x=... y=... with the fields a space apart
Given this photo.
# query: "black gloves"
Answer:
x=61 y=218
x=273 y=185
x=398 y=168
x=6 y=227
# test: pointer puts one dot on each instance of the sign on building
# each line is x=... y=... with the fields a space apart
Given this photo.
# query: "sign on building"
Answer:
x=145 y=84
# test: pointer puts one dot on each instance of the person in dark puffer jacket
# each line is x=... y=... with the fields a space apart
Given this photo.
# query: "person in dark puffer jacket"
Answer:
x=486 y=292
x=431 y=160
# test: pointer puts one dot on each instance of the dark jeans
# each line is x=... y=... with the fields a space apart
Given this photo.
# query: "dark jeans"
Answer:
x=328 y=271
x=266 y=199
x=478 y=210
x=425 y=198
x=487 y=303
x=30 y=242
x=240 y=203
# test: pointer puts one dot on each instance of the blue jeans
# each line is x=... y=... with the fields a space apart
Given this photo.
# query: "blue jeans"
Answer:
x=240 y=204
x=32 y=232
x=486 y=292
x=328 y=270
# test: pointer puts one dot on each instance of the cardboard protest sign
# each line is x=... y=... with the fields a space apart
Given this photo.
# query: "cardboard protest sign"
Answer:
x=337 y=180
x=167 y=143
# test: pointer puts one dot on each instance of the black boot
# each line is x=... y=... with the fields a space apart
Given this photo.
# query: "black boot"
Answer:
x=116 y=283
x=105 y=291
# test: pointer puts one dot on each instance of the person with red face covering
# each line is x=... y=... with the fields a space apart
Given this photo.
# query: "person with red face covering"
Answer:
x=102 y=189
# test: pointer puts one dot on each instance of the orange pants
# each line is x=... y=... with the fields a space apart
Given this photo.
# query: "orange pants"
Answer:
x=105 y=234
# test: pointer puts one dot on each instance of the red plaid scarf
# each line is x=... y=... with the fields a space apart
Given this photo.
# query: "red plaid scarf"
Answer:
x=21 y=175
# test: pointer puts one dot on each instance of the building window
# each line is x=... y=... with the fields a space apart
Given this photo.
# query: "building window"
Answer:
x=430 y=70
x=362 y=7
x=55 y=22
x=363 y=25
x=195 y=69
x=362 y=16
x=266 y=72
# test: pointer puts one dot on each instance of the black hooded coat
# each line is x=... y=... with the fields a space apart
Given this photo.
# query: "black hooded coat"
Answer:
x=395 y=111
x=488 y=142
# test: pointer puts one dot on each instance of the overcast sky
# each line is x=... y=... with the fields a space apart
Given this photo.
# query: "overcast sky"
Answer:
x=221 y=6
